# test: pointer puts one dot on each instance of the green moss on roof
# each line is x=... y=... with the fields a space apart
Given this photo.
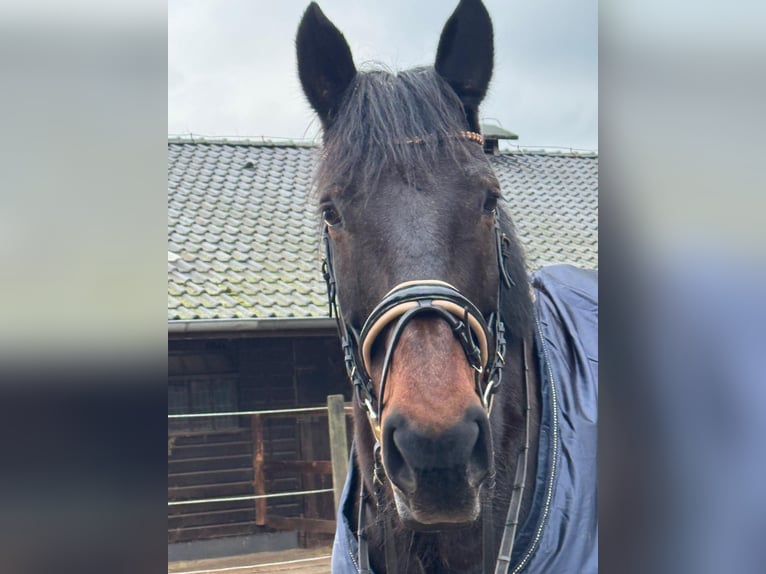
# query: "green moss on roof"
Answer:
x=241 y=223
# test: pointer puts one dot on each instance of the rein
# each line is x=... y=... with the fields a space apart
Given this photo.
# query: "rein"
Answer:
x=483 y=342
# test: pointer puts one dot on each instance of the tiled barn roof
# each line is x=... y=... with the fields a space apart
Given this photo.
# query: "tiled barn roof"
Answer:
x=243 y=236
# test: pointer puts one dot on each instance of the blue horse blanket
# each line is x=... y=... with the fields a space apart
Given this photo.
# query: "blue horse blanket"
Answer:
x=561 y=532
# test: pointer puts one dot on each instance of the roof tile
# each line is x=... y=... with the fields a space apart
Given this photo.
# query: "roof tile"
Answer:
x=248 y=241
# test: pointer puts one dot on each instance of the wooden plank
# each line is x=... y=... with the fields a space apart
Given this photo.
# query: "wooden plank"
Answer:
x=218 y=490
x=211 y=477
x=259 y=481
x=211 y=463
x=186 y=451
x=314 y=525
x=185 y=509
x=212 y=518
x=308 y=482
x=338 y=445
x=212 y=531
x=284 y=448
x=210 y=437
x=300 y=466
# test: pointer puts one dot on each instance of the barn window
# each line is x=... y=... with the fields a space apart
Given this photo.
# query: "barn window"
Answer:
x=202 y=394
x=202 y=378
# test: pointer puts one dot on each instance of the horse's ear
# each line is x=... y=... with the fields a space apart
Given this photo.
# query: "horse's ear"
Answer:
x=465 y=56
x=325 y=65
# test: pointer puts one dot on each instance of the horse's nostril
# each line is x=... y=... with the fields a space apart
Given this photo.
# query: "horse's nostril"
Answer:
x=397 y=468
x=481 y=455
x=461 y=450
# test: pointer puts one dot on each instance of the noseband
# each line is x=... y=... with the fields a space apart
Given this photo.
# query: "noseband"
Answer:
x=401 y=305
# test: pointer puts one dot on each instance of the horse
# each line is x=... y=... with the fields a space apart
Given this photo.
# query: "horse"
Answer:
x=474 y=412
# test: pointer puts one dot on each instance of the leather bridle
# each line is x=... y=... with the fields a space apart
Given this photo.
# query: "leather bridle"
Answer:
x=482 y=340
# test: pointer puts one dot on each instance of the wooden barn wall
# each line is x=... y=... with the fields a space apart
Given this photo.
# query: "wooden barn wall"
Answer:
x=213 y=458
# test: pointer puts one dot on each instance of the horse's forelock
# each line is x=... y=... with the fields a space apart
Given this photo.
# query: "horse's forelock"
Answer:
x=389 y=122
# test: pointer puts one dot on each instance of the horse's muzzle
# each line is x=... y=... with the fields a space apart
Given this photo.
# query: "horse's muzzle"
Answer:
x=437 y=476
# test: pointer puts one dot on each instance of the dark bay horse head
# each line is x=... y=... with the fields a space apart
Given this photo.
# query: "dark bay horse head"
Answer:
x=407 y=195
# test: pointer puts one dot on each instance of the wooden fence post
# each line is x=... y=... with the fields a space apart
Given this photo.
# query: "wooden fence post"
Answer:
x=259 y=486
x=338 y=445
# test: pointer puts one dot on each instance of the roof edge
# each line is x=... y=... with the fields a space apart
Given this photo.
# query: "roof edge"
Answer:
x=181 y=327
x=262 y=141
x=551 y=152
x=266 y=142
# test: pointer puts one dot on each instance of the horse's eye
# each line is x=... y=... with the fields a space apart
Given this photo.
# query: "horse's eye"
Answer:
x=331 y=216
x=490 y=204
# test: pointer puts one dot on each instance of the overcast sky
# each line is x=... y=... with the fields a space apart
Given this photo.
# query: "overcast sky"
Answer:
x=232 y=70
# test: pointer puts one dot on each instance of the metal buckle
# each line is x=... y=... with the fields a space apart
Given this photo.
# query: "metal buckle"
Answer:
x=373 y=418
x=377 y=473
x=489 y=390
